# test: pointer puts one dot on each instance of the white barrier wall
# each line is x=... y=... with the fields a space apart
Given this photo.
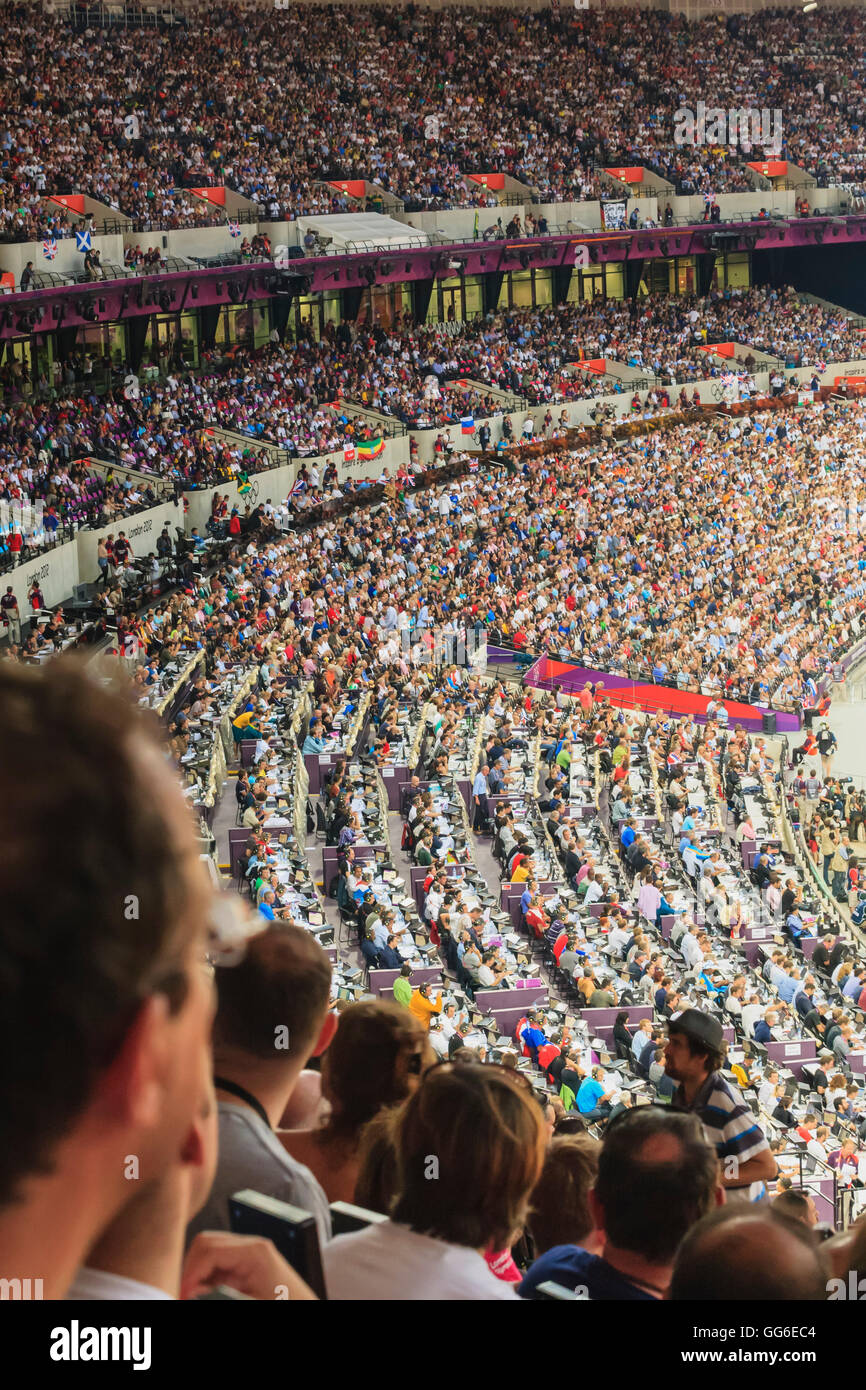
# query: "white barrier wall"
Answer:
x=141 y=530
x=192 y=241
x=578 y=413
x=276 y=483
x=74 y=562
x=57 y=573
x=14 y=256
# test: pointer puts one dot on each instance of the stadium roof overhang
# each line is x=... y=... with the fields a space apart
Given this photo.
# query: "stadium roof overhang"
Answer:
x=46 y=310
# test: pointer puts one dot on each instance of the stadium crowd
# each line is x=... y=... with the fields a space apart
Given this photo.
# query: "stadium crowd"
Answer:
x=300 y=396
x=333 y=610
x=570 y=1013
x=136 y=120
x=585 y=1187
x=725 y=557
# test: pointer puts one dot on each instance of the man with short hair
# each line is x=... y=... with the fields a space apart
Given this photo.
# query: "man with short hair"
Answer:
x=423 y=1006
x=109 y=961
x=694 y=1055
x=403 y=986
x=593 y=1101
x=657 y=1176
x=480 y=791
x=763 y=1030
x=11 y=615
x=272 y=1015
x=798 y=1206
x=641 y=1040
x=691 y=950
x=602 y=997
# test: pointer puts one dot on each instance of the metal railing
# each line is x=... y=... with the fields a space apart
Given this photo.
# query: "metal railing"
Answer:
x=387 y=425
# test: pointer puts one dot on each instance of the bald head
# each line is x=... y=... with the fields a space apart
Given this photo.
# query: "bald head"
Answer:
x=736 y=1254
x=657 y=1176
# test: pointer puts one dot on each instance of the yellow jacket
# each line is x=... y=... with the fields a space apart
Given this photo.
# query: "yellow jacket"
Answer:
x=423 y=1008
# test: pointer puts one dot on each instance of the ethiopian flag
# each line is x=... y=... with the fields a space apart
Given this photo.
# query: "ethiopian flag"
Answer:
x=371 y=449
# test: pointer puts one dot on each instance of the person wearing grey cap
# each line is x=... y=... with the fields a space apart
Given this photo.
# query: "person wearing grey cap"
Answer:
x=694 y=1055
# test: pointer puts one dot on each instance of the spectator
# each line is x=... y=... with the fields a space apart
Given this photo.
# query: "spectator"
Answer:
x=272 y=1015
x=375 y=1059
x=693 y=1057
x=657 y=1176
x=132 y=1004
x=560 y=1212
x=752 y=1256
x=486 y=1137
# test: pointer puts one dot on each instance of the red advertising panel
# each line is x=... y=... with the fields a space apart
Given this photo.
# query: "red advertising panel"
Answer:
x=495 y=182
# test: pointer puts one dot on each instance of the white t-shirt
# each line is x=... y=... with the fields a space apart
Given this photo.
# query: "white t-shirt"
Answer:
x=388 y=1261
x=100 y=1286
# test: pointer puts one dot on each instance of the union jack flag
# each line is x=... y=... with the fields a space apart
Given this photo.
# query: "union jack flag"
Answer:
x=297 y=489
x=49 y=248
x=820 y=366
x=234 y=229
x=473 y=465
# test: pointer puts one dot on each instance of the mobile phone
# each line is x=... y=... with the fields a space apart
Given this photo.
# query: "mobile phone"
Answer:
x=291 y=1229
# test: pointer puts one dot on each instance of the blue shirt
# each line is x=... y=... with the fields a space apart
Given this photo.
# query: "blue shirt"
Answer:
x=627 y=837
x=267 y=911
x=533 y=1037
x=788 y=988
x=589 y=1095
x=573 y=1267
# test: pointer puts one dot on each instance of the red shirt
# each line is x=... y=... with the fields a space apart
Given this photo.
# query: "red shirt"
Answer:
x=501 y=1263
x=546 y=1055
x=535 y=920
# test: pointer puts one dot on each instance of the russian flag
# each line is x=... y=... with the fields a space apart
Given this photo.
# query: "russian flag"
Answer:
x=467 y=424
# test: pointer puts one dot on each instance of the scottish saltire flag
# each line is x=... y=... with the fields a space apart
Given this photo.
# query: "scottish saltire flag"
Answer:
x=49 y=248
x=234 y=229
x=83 y=241
x=467 y=424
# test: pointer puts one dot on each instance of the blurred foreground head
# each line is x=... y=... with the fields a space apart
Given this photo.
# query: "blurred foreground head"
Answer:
x=105 y=1006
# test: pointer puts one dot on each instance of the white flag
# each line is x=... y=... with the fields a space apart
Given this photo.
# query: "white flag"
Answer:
x=431 y=127
x=131 y=127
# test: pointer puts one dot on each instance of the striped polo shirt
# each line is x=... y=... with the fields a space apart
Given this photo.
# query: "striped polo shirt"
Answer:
x=729 y=1124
